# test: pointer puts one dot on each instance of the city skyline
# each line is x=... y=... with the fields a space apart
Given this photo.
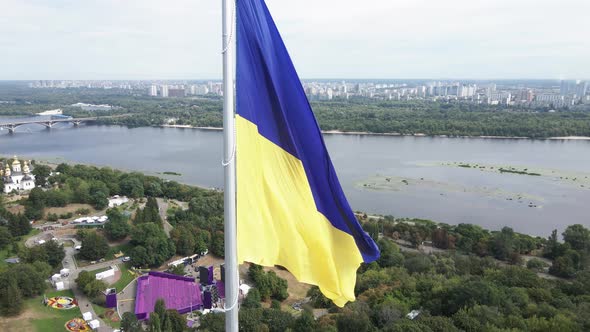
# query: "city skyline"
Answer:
x=109 y=39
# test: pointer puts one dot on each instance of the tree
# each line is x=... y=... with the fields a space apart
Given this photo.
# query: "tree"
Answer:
x=536 y=264
x=175 y=322
x=129 y=323
x=117 y=227
x=11 y=299
x=99 y=200
x=390 y=254
x=385 y=314
x=305 y=322
x=277 y=320
x=5 y=237
x=184 y=240
x=160 y=309
x=217 y=244
x=577 y=236
x=354 y=318
x=318 y=299
x=132 y=186
x=140 y=256
x=439 y=324
x=30 y=280
x=18 y=224
x=268 y=283
x=55 y=253
x=408 y=326
x=554 y=249
x=94 y=288
x=155 y=324
x=41 y=173
x=94 y=247
x=35 y=203
x=502 y=245
x=178 y=270
x=250 y=320
x=213 y=323
x=252 y=300
x=153 y=238
x=563 y=267
x=418 y=264
x=84 y=278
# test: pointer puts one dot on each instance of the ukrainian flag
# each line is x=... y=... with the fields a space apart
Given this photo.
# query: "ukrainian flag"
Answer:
x=291 y=210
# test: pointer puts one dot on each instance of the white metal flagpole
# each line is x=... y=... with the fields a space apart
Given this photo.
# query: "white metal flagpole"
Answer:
x=231 y=252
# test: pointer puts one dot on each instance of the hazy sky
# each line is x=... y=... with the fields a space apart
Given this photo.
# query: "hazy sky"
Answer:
x=178 y=39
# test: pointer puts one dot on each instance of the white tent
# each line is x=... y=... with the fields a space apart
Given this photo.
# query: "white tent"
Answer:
x=244 y=289
x=87 y=316
x=105 y=274
x=59 y=285
x=94 y=324
x=56 y=277
x=64 y=272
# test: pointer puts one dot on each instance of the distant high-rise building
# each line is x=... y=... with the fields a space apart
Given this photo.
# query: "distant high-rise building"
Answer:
x=581 y=89
x=164 y=91
x=564 y=88
x=525 y=96
x=176 y=92
x=491 y=89
x=153 y=90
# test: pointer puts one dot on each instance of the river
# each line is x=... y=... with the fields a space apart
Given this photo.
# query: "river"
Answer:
x=401 y=176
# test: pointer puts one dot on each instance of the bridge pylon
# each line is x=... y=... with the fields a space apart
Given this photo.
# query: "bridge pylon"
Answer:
x=48 y=124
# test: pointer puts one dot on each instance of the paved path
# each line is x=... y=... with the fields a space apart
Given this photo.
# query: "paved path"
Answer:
x=126 y=298
x=82 y=299
x=163 y=208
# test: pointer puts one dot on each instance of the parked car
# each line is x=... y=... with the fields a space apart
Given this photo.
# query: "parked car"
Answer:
x=126 y=259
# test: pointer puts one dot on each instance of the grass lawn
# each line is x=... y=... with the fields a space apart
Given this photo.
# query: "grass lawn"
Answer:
x=126 y=277
x=125 y=248
x=53 y=319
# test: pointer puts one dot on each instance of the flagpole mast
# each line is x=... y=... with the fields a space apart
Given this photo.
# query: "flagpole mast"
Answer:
x=229 y=196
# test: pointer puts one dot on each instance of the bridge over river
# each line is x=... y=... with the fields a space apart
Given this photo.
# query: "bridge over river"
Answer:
x=13 y=124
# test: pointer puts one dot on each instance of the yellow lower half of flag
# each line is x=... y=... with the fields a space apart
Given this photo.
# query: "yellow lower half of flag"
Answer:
x=279 y=224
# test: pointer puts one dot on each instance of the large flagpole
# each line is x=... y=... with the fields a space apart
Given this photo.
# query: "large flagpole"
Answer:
x=229 y=196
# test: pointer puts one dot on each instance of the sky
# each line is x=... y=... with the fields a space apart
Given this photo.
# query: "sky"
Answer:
x=381 y=39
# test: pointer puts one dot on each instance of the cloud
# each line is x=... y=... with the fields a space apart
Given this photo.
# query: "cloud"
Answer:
x=132 y=39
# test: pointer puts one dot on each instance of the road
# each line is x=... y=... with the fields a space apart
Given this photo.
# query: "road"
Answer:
x=163 y=208
x=82 y=299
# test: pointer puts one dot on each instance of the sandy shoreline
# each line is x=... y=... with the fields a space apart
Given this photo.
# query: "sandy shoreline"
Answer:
x=338 y=132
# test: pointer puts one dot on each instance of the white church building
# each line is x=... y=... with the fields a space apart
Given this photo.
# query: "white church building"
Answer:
x=17 y=178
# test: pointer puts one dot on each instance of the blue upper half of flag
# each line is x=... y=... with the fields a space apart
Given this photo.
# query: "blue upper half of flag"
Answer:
x=269 y=94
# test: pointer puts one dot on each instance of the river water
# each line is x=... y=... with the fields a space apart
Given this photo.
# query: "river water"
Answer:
x=420 y=182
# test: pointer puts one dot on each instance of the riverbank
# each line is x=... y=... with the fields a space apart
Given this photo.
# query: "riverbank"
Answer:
x=367 y=133
x=55 y=161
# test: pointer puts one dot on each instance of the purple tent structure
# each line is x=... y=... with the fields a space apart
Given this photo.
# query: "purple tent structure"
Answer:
x=220 y=288
x=111 y=298
x=179 y=293
x=208 y=299
x=210 y=279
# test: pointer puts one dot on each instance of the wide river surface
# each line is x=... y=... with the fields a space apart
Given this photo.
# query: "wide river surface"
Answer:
x=401 y=176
